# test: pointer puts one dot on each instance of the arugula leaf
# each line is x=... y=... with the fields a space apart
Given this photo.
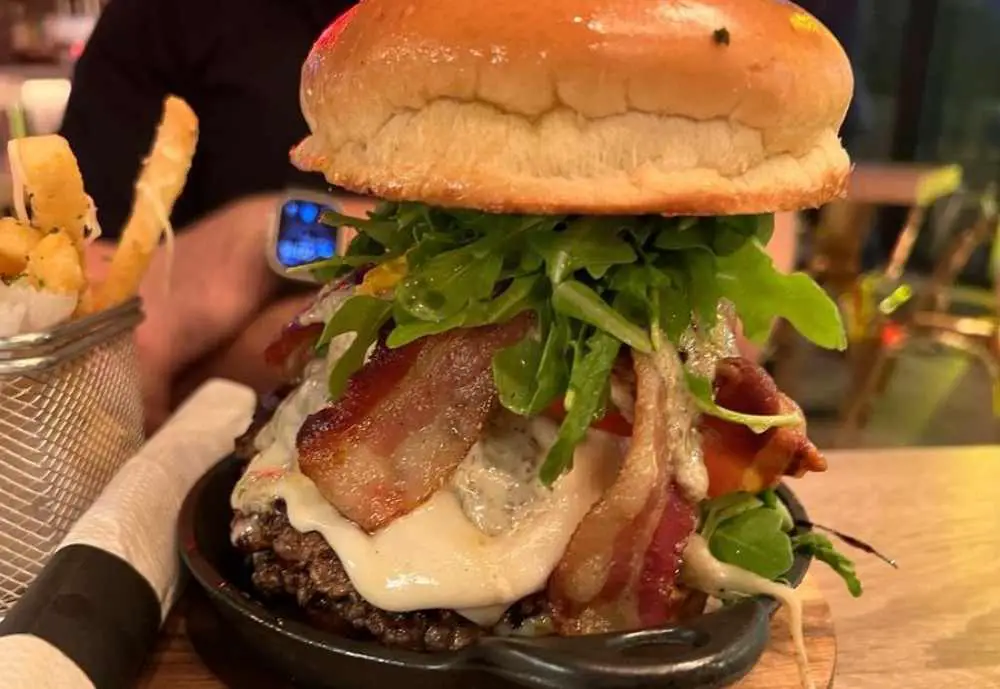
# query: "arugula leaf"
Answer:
x=771 y=499
x=721 y=235
x=765 y=228
x=673 y=308
x=446 y=283
x=431 y=244
x=330 y=269
x=754 y=541
x=364 y=316
x=587 y=383
x=588 y=242
x=821 y=548
x=724 y=507
x=761 y=293
x=530 y=374
x=703 y=289
x=521 y=295
x=703 y=393
x=576 y=300
x=385 y=232
x=695 y=235
x=596 y=282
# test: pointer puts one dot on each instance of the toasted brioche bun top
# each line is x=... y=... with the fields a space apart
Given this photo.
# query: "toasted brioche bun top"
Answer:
x=701 y=107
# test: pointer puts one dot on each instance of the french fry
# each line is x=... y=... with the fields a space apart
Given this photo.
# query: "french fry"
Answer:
x=48 y=187
x=16 y=241
x=160 y=183
x=54 y=265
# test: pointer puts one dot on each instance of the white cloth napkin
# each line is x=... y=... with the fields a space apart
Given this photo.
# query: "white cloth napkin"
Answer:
x=135 y=519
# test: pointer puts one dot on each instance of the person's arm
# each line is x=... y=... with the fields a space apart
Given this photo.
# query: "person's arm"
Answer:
x=139 y=52
x=198 y=298
x=119 y=83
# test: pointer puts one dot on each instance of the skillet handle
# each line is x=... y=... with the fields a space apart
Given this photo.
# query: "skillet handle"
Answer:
x=712 y=651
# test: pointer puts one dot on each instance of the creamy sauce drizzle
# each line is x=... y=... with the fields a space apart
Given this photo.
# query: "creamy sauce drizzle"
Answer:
x=702 y=352
x=689 y=462
x=703 y=572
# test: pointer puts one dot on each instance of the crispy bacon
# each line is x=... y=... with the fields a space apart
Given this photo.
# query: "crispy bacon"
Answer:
x=736 y=457
x=405 y=422
x=294 y=348
x=620 y=569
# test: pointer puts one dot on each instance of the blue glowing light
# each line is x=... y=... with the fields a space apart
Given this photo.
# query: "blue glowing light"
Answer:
x=309 y=212
x=326 y=247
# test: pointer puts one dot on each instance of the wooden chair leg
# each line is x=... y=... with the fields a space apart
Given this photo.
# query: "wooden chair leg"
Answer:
x=870 y=364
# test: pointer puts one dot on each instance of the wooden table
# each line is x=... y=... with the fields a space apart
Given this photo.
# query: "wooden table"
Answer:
x=888 y=184
x=933 y=624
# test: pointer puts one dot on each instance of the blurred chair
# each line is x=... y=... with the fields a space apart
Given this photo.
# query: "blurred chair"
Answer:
x=838 y=241
x=889 y=315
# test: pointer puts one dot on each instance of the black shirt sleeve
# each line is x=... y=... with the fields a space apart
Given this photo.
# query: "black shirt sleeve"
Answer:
x=119 y=84
x=236 y=62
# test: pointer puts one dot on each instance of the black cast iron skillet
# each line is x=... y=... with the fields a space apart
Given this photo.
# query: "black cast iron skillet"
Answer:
x=714 y=650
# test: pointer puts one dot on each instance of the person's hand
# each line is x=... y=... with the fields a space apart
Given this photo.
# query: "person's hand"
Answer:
x=242 y=359
x=201 y=297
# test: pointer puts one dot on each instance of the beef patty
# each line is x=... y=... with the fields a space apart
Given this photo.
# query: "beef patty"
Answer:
x=302 y=568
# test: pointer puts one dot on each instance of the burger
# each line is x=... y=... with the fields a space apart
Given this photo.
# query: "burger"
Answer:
x=516 y=405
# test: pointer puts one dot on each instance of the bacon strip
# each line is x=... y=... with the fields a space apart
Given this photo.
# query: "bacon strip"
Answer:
x=405 y=422
x=294 y=348
x=620 y=569
x=736 y=457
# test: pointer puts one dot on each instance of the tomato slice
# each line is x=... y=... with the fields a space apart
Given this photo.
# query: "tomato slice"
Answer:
x=612 y=421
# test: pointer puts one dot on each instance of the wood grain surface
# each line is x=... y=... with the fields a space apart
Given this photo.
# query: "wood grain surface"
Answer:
x=935 y=622
x=932 y=624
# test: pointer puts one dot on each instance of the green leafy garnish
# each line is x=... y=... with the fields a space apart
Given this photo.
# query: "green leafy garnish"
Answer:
x=583 y=401
x=755 y=533
x=704 y=397
x=716 y=511
x=576 y=300
x=588 y=243
x=761 y=293
x=593 y=285
x=363 y=316
x=531 y=374
x=821 y=548
x=521 y=295
x=754 y=540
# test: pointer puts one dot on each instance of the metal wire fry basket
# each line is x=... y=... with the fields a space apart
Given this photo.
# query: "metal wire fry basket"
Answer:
x=70 y=416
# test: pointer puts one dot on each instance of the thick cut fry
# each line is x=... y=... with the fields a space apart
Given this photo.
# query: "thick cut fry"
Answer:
x=48 y=187
x=16 y=241
x=54 y=265
x=160 y=183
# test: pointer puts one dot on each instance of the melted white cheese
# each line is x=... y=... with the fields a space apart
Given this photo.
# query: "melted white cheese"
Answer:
x=329 y=300
x=438 y=556
x=435 y=557
x=703 y=572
